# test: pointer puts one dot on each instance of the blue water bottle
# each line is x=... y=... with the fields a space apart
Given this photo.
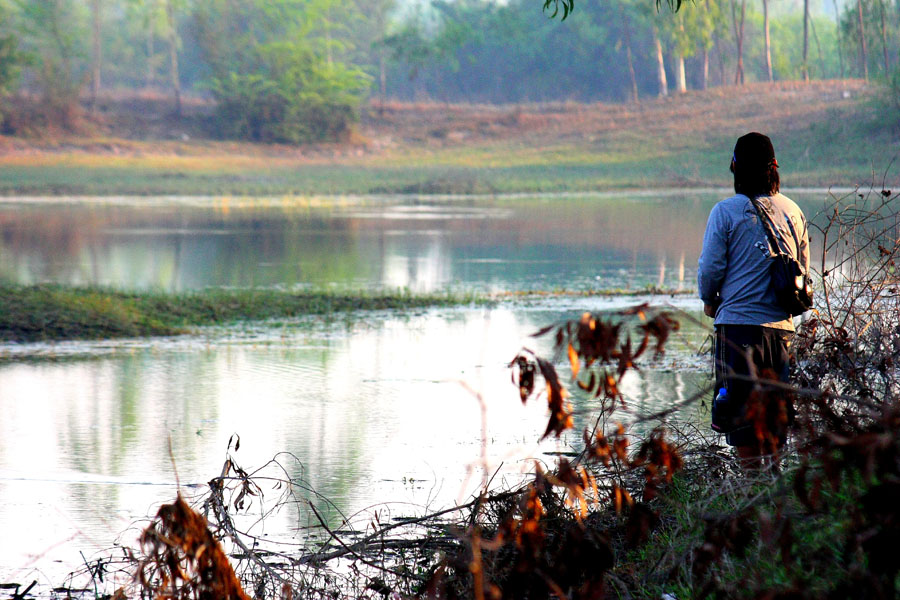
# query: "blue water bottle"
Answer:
x=720 y=413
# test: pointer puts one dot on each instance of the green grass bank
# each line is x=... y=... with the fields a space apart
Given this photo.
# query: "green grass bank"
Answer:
x=51 y=312
x=746 y=535
x=826 y=133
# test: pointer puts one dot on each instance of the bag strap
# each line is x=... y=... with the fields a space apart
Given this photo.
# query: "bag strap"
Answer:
x=771 y=232
x=767 y=226
x=794 y=235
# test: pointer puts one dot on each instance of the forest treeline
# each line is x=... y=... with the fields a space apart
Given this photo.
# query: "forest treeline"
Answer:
x=298 y=70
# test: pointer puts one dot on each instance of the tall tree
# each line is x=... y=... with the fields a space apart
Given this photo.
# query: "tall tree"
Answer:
x=686 y=31
x=626 y=30
x=837 y=26
x=812 y=26
x=884 y=42
x=660 y=65
x=96 y=56
x=11 y=59
x=150 y=41
x=148 y=21
x=739 y=40
x=55 y=32
x=805 y=65
x=375 y=14
x=333 y=19
x=706 y=34
x=715 y=30
x=172 y=35
x=682 y=46
x=864 y=55
x=768 y=43
x=670 y=32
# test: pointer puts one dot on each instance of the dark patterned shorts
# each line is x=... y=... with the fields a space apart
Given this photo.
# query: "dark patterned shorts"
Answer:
x=768 y=353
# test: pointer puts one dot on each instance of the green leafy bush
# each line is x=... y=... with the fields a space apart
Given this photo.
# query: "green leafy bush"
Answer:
x=294 y=97
x=277 y=72
x=10 y=62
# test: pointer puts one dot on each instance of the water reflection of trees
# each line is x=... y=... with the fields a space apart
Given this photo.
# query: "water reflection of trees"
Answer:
x=625 y=243
x=172 y=248
x=419 y=244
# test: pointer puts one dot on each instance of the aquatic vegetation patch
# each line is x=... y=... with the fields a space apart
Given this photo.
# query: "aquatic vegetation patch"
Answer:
x=53 y=312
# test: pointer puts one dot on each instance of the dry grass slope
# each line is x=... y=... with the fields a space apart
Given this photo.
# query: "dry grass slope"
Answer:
x=826 y=133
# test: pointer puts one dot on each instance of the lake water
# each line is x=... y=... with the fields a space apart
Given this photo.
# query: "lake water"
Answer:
x=601 y=242
x=381 y=409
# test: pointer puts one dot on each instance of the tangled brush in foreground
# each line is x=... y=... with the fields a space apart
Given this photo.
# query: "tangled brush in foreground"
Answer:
x=183 y=560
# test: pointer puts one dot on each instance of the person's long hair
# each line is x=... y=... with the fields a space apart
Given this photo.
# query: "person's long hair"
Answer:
x=754 y=181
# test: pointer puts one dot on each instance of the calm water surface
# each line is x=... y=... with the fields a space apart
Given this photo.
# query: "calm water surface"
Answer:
x=382 y=408
x=425 y=245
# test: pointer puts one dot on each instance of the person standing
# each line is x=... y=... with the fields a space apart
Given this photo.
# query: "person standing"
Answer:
x=752 y=332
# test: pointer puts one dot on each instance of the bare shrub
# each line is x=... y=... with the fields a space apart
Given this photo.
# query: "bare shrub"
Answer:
x=183 y=560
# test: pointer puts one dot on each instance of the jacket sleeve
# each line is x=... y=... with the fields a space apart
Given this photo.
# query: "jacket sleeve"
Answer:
x=713 y=256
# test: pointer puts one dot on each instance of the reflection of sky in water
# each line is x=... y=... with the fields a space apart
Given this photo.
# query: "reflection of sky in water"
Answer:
x=605 y=242
x=83 y=442
x=506 y=244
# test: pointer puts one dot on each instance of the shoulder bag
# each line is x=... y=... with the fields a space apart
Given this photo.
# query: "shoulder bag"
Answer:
x=792 y=285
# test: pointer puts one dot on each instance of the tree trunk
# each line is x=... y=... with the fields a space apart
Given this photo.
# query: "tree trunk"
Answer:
x=705 y=81
x=739 y=37
x=864 y=55
x=805 y=66
x=634 y=87
x=812 y=25
x=328 y=52
x=96 y=57
x=151 y=74
x=661 y=66
x=382 y=78
x=380 y=18
x=680 y=79
x=626 y=29
x=712 y=42
x=173 y=56
x=837 y=26
x=765 y=4
x=884 y=43
x=721 y=58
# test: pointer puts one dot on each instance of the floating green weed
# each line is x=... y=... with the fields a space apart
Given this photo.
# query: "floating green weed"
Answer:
x=52 y=312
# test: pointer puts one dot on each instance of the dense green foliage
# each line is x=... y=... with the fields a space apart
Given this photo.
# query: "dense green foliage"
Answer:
x=11 y=59
x=9 y=63
x=50 y=33
x=507 y=55
x=50 y=312
x=297 y=70
x=272 y=78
